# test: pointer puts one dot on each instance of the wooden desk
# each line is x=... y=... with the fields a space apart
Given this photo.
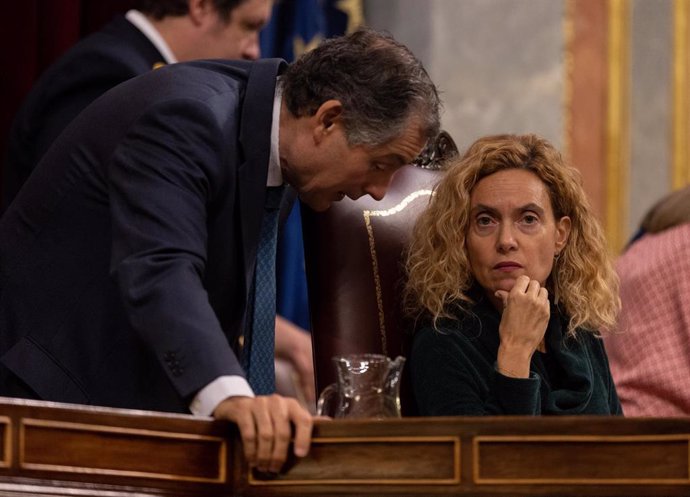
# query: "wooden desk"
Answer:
x=60 y=449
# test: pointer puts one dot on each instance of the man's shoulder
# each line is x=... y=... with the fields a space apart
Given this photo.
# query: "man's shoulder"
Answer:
x=117 y=48
x=263 y=69
x=654 y=254
x=253 y=82
x=118 y=35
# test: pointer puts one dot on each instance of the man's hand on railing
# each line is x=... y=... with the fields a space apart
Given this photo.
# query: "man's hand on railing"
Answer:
x=266 y=424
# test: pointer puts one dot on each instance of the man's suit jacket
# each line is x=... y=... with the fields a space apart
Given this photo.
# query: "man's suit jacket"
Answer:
x=126 y=261
x=96 y=64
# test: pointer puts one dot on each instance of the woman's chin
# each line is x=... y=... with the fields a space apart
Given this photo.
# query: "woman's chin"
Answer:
x=505 y=285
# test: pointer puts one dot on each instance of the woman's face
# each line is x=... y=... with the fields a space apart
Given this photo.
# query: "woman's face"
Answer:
x=512 y=230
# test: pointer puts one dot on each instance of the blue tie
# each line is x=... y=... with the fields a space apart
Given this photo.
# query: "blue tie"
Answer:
x=261 y=347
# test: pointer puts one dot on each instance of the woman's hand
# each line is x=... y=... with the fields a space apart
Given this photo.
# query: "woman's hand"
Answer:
x=523 y=325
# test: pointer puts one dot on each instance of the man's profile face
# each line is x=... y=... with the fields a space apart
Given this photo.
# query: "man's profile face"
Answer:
x=330 y=170
x=238 y=36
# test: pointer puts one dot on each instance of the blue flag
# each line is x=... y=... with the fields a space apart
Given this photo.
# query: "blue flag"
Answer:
x=296 y=27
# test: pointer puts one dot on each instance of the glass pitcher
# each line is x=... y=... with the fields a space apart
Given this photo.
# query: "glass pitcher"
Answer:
x=368 y=387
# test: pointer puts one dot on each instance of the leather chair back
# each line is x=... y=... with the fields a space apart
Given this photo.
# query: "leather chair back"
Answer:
x=354 y=265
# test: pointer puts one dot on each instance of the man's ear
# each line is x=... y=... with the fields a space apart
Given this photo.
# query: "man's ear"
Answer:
x=198 y=10
x=328 y=115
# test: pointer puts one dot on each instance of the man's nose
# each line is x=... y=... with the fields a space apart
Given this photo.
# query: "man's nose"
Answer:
x=376 y=192
x=377 y=188
x=252 y=50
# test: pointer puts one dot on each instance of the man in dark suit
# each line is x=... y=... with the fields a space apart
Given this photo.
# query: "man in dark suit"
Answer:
x=160 y=32
x=127 y=259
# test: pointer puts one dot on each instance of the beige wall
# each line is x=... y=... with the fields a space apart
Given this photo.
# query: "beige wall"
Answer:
x=497 y=63
x=650 y=106
x=502 y=66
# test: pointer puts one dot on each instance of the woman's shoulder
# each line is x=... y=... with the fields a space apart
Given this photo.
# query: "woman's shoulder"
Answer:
x=457 y=330
x=589 y=340
x=429 y=332
x=593 y=340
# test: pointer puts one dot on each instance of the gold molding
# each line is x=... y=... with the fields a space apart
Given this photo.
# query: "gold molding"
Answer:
x=6 y=460
x=618 y=123
x=368 y=214
x=681 y=96
x=455 y=440
x=87 y=428
x=611 y=439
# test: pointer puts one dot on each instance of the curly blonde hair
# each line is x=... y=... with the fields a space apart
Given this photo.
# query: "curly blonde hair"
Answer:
x=583 y=281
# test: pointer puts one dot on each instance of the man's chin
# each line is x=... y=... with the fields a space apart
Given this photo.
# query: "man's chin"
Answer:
x=316 y=204
x=320 y=207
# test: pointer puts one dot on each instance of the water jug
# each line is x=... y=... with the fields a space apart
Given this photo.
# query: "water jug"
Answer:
x=368 y=386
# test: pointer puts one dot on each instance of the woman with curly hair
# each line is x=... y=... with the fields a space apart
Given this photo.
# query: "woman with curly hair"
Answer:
x=509 y=281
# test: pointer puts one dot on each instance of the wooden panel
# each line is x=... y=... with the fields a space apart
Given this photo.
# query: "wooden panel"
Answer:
x=376 y=460
x=84 y=448
x=5 y=442
x=582 y=459
x=61 y=449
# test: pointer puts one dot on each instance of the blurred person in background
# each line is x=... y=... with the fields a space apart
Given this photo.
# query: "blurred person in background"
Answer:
x=650 y=349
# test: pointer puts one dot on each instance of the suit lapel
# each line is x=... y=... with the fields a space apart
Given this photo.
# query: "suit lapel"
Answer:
x=255 y=139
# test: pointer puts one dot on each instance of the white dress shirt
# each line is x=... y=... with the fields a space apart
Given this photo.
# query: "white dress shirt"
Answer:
x=147 y=29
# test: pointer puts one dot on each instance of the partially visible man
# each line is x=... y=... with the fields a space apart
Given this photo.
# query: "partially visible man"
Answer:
x=650 y=351
x=126 y=261
x=160 y=32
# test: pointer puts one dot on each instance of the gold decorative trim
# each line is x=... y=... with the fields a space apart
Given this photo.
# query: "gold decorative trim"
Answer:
x=576 y=438
x=455 y=440
x=6 y=460
x=368 y=214
x=400 y=206
x=617 y=123
x=60 y=425
x=354 y=11
x=681 y=96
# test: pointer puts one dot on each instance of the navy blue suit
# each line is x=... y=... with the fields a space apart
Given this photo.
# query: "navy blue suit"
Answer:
x=126 y=261
x=96 y=64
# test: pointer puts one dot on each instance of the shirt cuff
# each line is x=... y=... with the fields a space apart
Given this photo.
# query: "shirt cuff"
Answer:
x=208 y=398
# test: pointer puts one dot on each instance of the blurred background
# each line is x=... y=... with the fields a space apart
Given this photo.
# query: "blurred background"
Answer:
x=605 y=80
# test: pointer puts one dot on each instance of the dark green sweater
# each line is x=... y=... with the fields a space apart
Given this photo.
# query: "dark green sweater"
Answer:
x=453 y=370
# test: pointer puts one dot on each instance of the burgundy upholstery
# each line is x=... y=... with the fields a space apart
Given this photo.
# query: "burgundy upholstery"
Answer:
x=354 y=273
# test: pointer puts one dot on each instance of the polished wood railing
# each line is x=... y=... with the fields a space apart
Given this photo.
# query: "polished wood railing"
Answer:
x=62 y=449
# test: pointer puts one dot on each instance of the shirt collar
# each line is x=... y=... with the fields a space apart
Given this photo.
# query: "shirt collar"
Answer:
x=275 y=175
x=144 y=25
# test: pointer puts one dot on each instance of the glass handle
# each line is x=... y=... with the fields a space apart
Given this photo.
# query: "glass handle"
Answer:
x=325 y=407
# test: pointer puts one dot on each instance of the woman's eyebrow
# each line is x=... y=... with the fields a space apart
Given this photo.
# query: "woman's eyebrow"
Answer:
x=483 y=208
x=532 y=207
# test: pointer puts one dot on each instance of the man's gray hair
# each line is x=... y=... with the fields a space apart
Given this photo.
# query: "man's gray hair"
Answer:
x=380 y=83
